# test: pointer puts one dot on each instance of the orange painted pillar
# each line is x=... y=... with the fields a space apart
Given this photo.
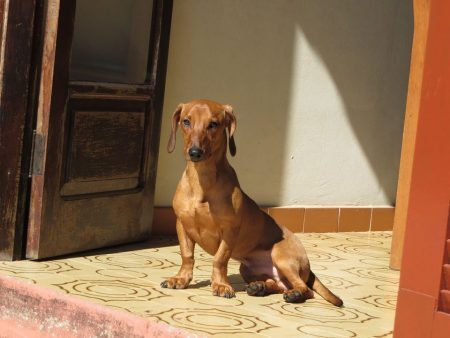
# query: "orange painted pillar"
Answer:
x=423 y=308
x=421 y=17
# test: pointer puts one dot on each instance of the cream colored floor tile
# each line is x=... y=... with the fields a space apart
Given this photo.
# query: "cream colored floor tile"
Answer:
x=214 y=320
x=353 y=265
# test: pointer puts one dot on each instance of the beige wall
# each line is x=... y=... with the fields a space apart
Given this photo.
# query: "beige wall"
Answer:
x=319 y=90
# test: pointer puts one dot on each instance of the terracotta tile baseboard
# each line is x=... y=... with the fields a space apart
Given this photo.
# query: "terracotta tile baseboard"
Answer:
x=304 y=219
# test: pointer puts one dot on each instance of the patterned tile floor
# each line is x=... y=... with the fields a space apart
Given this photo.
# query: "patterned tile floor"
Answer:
x=353 y=265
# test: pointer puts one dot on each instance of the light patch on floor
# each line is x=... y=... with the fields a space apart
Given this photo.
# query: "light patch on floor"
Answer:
x=352 y=265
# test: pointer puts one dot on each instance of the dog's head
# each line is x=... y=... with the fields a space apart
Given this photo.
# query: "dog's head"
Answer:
x=204 y=125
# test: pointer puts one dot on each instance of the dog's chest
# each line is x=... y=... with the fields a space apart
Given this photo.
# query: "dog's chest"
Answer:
x=201 y=225
x=204 y=219
x=196 y=212
x=197 y=208
x=198 y=215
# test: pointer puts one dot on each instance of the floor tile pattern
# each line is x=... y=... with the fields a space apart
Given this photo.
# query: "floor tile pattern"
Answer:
x=353 y=265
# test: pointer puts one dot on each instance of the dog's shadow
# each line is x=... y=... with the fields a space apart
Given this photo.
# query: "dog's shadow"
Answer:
x=236 y=282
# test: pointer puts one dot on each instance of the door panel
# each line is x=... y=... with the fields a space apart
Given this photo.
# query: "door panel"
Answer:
x=94 y=183
x=105 y=145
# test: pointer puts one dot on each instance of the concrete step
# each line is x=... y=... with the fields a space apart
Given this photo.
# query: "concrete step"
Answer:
x=27 y=310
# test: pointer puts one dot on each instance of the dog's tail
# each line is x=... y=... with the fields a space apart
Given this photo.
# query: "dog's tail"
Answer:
x=315 y=284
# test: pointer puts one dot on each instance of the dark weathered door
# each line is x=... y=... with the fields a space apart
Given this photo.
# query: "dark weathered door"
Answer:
x=98 y=124
x=17 y=74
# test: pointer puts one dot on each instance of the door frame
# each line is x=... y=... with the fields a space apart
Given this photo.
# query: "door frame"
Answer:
x=20 y=54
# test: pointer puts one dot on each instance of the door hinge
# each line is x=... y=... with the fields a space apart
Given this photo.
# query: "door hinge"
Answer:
x=37 y=154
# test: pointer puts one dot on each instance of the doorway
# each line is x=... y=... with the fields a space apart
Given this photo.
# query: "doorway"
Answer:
x=95 y=122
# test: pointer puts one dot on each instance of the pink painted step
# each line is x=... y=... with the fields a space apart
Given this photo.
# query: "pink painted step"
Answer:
x=27 y=310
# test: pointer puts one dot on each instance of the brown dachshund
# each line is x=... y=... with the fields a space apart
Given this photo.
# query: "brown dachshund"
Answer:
x=213 y=211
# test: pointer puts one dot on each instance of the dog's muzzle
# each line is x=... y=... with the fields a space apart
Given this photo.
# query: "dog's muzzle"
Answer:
x=196 y=154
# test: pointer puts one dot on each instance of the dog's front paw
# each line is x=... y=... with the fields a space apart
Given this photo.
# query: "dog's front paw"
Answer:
x=222 y=290
x=175 y=283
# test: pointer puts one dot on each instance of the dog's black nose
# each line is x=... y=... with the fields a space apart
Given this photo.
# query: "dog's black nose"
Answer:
x=196 y=154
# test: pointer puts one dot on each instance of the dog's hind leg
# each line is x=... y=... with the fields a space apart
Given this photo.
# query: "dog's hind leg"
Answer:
x=292 y=268
x=300 y=291
x=259 y=284
x=263 y=288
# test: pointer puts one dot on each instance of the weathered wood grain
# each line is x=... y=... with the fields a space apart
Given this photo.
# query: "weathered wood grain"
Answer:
x=17 y=26
x=52 y=8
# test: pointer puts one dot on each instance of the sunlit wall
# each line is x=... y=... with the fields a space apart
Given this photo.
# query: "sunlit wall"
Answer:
x=318 y=87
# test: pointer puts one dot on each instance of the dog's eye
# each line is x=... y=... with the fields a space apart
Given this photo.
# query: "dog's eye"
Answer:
x=213 y=125
x=186 y=123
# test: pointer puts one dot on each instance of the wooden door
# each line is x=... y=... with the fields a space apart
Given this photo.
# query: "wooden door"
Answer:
x=423 y=308
x=98 y=123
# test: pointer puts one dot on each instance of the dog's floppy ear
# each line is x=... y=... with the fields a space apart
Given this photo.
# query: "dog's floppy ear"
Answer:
x=173 y=135
x=231 y=126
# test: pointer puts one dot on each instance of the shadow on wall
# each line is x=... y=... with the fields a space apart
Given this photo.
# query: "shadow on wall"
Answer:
x=247 y=54
x=369 y=64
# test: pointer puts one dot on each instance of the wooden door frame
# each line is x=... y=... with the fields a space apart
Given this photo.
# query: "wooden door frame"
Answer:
x=20 y=35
